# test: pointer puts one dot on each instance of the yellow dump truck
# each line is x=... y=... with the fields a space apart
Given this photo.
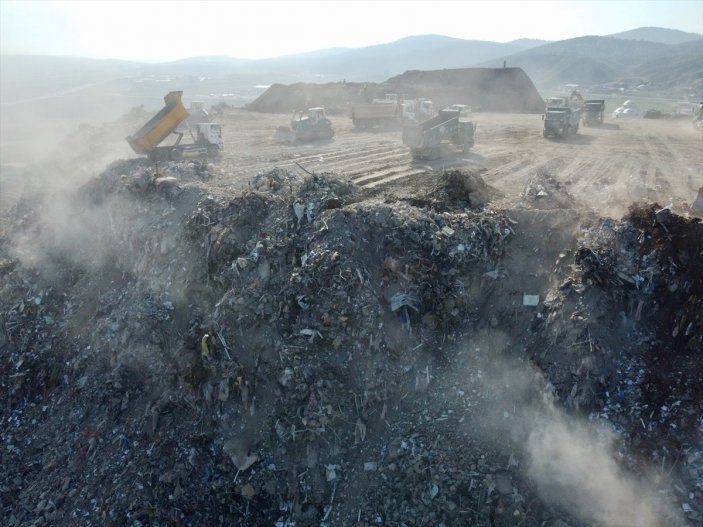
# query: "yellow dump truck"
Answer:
x=207 y=139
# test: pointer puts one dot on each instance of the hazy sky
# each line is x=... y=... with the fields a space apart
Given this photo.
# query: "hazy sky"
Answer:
x=165 y=30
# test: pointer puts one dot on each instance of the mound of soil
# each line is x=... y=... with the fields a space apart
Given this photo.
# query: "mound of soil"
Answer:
x=333 y=96
x=484 y=89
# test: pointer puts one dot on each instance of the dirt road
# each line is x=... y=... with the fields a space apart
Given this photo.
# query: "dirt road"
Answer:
x=605 y=168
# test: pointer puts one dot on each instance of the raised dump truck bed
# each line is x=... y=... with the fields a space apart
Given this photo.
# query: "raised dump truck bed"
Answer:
x=424 y=139
x=593 y=110
x=156 y=129
x=207 y=140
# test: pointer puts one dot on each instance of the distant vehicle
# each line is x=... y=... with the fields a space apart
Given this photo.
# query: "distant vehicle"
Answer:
x=207 y=140
x=698 y=119
x=379 y=112
x=628 y=110
x=417 y=110
x=574 y=100
x=425 y=139
x=464 y=110
x=560 y=121
x=593 y=110
x=652 y=114
x=310 y=125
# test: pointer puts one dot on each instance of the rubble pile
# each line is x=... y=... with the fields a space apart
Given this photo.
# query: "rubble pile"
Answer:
x=625 y=340
x=297 y=353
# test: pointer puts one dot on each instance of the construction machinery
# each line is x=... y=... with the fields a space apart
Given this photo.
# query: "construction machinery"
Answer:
x=697 y=205
x=425 y=139
x=379 y=112
x=417 y=110
x=698 y=118
x=310 y=125
x=560 y=121
x=593 y=110
x=207 y=138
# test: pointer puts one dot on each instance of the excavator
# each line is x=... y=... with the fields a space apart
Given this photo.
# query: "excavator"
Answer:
x=207 y=138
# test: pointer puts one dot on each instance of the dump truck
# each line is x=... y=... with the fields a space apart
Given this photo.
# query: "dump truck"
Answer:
x=207 y=138
x=310 y=125
x=379 y=112
x=593 y=111
x=425 y=139
x=560 y=121
x=417 y=110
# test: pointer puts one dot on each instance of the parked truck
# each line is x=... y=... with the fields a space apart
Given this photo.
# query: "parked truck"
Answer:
x=379 y=112
x=593 y=111
x=425 y=139
x=207 y=137
x=560 y=121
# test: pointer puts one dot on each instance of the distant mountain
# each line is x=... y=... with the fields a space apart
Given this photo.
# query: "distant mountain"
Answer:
x=422 y=52
x=596 y=60
x=658 y=34
x=527 y=43
x=585 y=60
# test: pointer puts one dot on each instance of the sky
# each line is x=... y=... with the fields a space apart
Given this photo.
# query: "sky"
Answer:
x=168 y=30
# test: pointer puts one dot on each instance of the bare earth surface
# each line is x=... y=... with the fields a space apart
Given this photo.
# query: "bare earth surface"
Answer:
x=606 y=168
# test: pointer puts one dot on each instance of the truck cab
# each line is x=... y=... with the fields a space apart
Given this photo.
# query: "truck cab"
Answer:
x=559 y=121
x=210 y=135
x=418 y=110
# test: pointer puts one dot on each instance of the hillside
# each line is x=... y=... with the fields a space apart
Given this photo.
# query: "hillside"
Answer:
x=594 y=60
x=658 y=34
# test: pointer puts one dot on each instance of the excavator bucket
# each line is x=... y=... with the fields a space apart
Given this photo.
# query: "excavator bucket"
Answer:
x=697 y=205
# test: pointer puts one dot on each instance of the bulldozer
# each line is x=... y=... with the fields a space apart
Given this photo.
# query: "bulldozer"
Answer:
x=310 y=125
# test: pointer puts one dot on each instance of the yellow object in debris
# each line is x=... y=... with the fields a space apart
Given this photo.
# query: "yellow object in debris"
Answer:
x=204 y=347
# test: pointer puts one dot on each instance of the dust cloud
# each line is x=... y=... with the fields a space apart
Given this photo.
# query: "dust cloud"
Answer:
x=574 y=463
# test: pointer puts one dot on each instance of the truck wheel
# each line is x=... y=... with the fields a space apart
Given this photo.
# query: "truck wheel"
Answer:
x=176 y=154
x=213 y=151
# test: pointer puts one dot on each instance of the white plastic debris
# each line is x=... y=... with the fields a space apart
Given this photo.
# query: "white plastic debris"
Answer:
x=530 y=300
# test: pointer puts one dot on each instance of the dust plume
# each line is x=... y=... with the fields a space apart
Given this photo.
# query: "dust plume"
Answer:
x=573 y=462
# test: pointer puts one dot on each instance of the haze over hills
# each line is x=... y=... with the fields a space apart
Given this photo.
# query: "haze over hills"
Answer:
x=583 y=60
x=658 y=34
x=670 y=62
x=599 y=60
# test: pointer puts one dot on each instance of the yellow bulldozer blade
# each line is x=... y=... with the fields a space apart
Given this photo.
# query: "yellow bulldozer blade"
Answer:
x=697 y=205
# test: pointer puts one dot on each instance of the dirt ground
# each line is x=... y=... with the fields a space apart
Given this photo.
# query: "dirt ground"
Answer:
x=606 y=168
x=355 y=339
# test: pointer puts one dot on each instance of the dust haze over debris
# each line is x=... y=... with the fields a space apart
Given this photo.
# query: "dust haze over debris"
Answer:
x=574 y=462
x=334 y=333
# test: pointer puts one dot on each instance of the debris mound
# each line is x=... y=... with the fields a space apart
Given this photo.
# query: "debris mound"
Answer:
x=461 y=189
x=302 y=353
x=543 y=191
